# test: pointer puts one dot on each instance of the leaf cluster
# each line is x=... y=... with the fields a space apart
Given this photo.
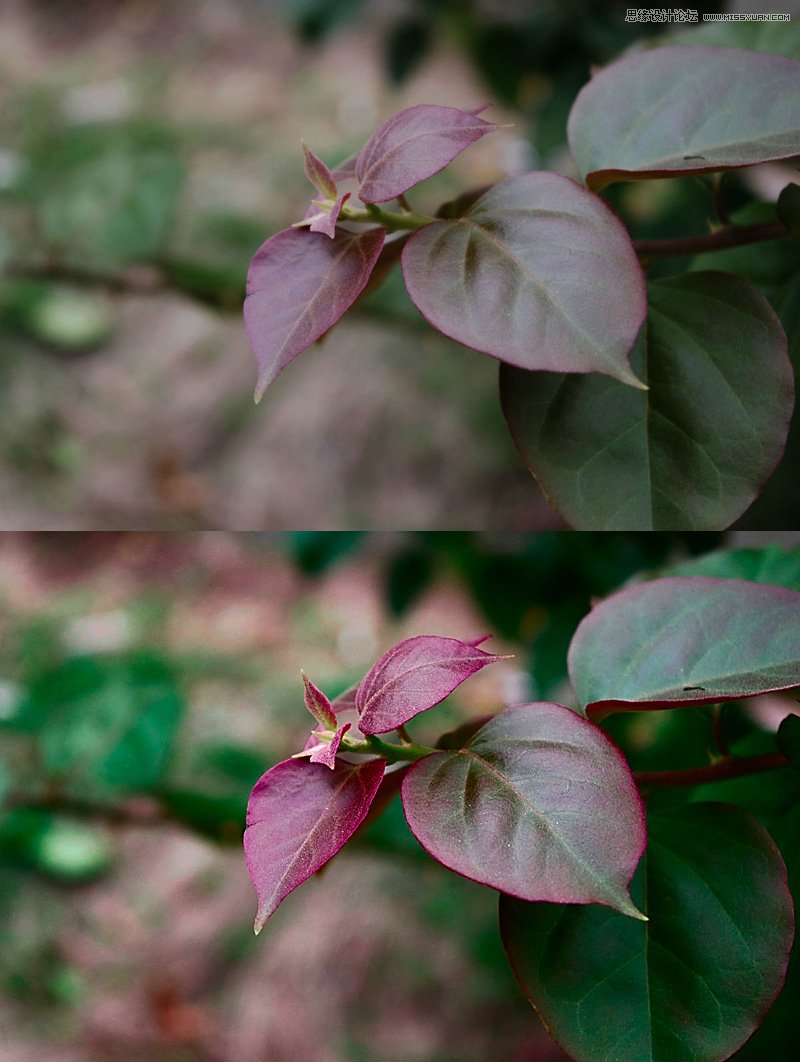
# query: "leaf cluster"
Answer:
x=621 y=902
x=638 y=400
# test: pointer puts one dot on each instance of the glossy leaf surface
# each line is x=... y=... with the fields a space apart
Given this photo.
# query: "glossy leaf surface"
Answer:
x=680 y=110
x=538 y=272
x=299 y=816
x=299 y=285
x=692 y=452
x=539 y=803
x=687 y=641
x=691 y=983
x=413 y=676
x=412 y=146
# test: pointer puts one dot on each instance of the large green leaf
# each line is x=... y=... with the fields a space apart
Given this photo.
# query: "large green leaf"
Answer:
x=694 y=981
x=693 y=451
x=776 y=1039
x=686 y=641
x=537 y=272
x=772 y=565
x=776 y=38
x=685 y=110
x=105 y=722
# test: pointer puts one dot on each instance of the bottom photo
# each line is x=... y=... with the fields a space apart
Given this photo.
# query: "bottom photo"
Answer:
x=399 y=796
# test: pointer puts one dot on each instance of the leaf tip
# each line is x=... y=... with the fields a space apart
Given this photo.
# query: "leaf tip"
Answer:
x=261 y=388
x=627 y=376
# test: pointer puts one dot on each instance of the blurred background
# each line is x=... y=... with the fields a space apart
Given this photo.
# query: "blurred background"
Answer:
x=148 y=147
x=148 y=680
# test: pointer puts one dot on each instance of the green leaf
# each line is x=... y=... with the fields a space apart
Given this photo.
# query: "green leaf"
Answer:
x=409 y=575
x=788 y=208
x=105 y=722
x=691 y=453
x=407 y=44
x=789 y=739
x=772 y=565
x=107 y=194
x=538 y=272
x=316 y=551
x=694 y=981
x=686 y=641
x=775 y=1039
x=685 y=110
x=775 y=38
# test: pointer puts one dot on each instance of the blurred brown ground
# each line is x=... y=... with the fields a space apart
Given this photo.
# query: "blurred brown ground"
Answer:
x=386 y=424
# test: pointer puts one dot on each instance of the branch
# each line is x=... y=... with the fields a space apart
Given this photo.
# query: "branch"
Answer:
x=735 y=236
x=729 y=767
x=136 y=811
x=136 y=280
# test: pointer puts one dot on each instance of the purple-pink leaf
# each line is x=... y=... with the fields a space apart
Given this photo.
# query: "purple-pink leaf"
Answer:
x=299 y=285
x=318 y=704
x=346 y=170
x=325 y=221
x=538 y=272
x=413 y=145
x=539 y=803
x=325 y=752
x=413 y=676
x=345 y=702
x=299 y=816
x=319 y=174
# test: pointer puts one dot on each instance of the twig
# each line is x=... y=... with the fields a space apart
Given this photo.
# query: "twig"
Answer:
x=730 y=767
x=136 y=811
x=735 y=236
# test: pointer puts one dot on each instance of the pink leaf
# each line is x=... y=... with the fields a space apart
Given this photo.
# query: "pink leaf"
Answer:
x=299 y=816
x=346 y=170
x=325 y=221
x=299 y=285
x=325 y=752
x=414 y=676
x=539 y=803
x=319 y=174
x=318 y=704
x=413 y=145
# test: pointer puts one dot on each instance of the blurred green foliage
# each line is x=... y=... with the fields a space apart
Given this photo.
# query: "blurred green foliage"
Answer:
x=105 y=194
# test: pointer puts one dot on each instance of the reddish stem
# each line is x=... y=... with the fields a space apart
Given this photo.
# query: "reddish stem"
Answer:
x=735 y=236
x=733 y=767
